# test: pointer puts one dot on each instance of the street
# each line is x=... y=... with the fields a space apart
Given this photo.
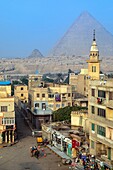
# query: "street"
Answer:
x=17 y=156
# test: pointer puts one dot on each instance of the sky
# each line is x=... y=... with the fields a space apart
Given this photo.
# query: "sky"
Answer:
x=26 y=25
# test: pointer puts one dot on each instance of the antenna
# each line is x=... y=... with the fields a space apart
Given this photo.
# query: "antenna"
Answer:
x=94 y=35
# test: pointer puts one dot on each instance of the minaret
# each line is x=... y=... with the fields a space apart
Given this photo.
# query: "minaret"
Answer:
x=94 y=62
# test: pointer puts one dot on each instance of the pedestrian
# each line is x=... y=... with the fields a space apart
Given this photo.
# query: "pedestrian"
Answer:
x=84 y=164
x=37 y=154
x=35 y=148
x=96 y=166
x=31 y=150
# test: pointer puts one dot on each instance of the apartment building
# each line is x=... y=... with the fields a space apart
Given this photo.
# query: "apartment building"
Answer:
x=7 y=113
x=79 y=82
x=100 y=110
x=21 y=93
x=101 y=119
x=44 y=100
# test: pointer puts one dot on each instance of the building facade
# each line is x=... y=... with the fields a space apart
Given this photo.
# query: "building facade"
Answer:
x=101 y=119
x=21 y=93
x=35 y=80
x=80 y=119
x=44 y=100
x=79 y=82
x=7 y=113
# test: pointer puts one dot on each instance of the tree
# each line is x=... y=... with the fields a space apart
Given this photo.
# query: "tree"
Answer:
x=65 y=113
x=24 y=80
x=12 y=86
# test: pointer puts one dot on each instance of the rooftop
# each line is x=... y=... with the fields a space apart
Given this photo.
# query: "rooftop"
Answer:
x=2 y=83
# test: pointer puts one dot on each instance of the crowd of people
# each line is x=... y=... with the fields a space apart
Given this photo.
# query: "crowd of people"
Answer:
x=89 y=162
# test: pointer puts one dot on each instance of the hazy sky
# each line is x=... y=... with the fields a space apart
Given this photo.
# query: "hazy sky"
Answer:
x=29 y=24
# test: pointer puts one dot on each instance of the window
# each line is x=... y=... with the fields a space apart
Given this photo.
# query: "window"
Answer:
x=3 y=108
x=50 y=105
x=63 y=105
x=22 y=95
x=69 y=95
x=92 y=144
x=93 y=127
x=43 y=95
x=36 y=104
x=58 y=105
x=8 y=121
x=101 y=94
x=101 y=131
x=50 y=95
x=93 y=92
x=101 y=112
x=38 y=95
x=35 y=79
x=21 y=88
x=43 y=106
x=110 y=95
x=93 y=68
x=57 y=97
x=92 y=109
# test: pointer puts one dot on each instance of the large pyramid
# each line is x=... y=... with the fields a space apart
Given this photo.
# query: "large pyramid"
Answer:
x=78 y=39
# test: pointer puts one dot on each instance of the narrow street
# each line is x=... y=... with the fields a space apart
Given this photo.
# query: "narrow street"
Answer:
x=17 y=157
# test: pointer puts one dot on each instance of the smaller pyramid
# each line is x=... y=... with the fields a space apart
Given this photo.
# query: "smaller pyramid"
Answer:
x=36 y=54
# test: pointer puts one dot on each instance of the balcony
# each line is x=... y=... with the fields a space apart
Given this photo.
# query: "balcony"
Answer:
x=102 y=139
x=109 y=140
x=98 y=101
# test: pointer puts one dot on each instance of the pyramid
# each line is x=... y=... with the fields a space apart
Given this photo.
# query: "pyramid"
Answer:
x=35 y=54
x=78 y=39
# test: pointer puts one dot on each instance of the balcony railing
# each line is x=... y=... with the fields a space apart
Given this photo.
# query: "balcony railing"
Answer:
x=98 y=100
x=109 y=140
x=102 y=139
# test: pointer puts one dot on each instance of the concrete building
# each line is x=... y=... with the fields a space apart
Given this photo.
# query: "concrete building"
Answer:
x=21 y=94
x=101 y=119
x=35 y=80
x=44 y=100
x=64 y=138
x=82 y=102
x=7 y=113
x=79 y=82
x=100 y=110
x=80 y=119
